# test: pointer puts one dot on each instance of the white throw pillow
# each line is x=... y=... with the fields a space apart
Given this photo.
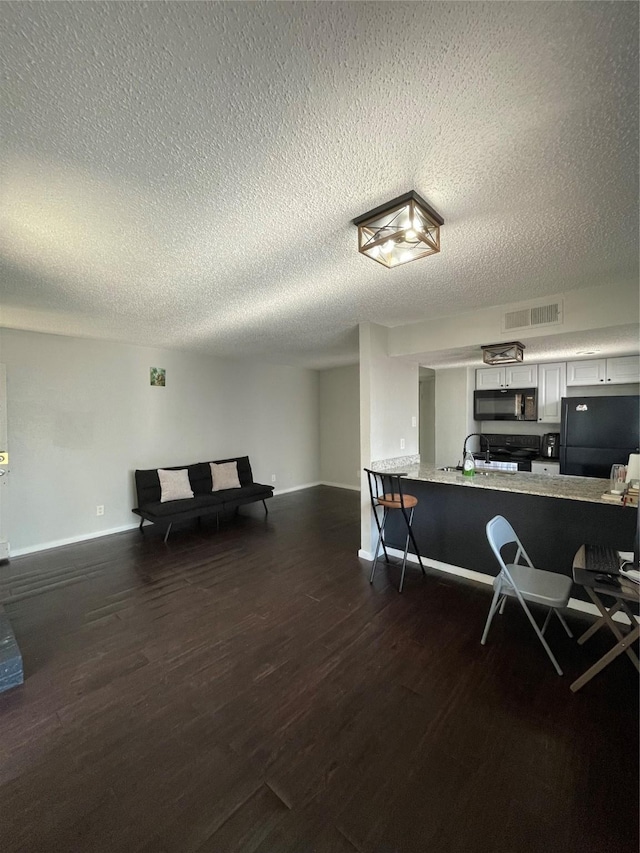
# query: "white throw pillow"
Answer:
x=174 y=485
x=224 y=475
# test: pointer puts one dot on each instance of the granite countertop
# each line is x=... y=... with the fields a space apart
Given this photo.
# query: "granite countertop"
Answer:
x=546 y=485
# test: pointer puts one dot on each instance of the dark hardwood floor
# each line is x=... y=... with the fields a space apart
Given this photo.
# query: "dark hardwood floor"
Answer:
x=248 y=690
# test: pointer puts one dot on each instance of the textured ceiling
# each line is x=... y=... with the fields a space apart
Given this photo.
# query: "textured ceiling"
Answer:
x=185 y=174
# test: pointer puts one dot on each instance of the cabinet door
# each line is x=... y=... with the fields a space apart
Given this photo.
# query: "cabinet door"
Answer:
x=552 y=387
x=489 y=377
x=521 y=376
x=545 y=467
x=590 y=372
x=623 y=370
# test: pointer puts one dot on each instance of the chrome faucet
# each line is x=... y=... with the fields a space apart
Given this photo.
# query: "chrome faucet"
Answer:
x=480 y=436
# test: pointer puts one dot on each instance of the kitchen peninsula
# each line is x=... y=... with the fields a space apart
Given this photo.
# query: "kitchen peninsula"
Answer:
x=553 y=515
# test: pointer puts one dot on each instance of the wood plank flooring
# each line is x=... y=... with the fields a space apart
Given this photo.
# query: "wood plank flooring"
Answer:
x=249 y=691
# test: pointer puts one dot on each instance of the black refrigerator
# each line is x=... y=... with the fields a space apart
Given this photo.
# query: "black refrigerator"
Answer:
x=597 y=432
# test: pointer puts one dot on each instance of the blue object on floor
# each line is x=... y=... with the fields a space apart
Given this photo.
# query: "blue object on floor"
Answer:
x=11 y=671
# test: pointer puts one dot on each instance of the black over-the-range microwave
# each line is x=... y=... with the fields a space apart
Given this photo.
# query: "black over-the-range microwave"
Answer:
x=506 y=404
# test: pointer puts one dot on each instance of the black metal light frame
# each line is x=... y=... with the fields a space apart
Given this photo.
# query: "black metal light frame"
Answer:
x=401 y=230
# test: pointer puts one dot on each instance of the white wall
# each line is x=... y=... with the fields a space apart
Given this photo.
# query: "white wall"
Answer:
x=388 y=402
x=584 y=309
x=340 y=426
x=392 y=396
x=454 y=413
x=82 y=416
x=4 y=477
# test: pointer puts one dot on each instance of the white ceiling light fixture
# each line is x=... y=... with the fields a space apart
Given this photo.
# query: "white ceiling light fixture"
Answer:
x=511 y=353
x=402 y=230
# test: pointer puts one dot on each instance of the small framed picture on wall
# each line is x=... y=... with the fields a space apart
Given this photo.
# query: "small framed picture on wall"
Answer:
x=157 y=376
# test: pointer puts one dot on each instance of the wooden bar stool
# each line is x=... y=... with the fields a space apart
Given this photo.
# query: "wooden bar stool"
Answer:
x=386 y=491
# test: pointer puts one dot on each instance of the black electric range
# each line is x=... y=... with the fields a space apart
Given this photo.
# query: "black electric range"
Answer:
x=518 y=450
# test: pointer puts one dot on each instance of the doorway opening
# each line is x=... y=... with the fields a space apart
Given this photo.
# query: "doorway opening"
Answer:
x=427 y=413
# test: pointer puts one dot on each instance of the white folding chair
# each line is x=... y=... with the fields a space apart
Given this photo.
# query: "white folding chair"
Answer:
x=525 y=582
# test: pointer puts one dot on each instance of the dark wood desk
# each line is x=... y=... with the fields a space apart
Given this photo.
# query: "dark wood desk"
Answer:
x=626 y=591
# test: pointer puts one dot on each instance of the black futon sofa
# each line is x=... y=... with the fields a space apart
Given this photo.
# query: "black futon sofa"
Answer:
x=204 y=501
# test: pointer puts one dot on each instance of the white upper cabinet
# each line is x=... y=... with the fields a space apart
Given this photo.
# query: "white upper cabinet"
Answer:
x=552 y=387
x=514 y=376
x=553 y=379
x=590 y=372
x=600 y=371
x=488 y=378
x=623 y=370
x=521 y=376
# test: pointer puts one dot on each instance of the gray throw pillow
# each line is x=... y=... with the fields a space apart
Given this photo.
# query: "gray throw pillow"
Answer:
x=174 y=485
x=224 y=475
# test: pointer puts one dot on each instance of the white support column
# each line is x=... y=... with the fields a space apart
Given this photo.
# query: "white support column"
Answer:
x=4 y=466
x=388 y=414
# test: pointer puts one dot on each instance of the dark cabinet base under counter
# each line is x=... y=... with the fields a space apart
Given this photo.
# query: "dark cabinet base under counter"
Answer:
x=450 y=521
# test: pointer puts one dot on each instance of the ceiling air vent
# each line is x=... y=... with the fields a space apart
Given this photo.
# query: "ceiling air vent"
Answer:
x=538 y=315
x=517 y=319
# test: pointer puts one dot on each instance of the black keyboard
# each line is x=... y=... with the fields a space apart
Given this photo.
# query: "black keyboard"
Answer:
x=602 y=558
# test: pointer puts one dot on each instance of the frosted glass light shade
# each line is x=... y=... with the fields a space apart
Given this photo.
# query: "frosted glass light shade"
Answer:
x=399 y=231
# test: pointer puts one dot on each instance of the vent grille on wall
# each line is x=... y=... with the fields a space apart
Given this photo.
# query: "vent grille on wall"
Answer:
x=539 y=315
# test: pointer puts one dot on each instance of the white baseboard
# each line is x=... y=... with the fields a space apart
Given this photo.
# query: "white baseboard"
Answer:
x=296 y=488
x=312 y=485
x=480 y=577
x=70 y=540
x=340 y=486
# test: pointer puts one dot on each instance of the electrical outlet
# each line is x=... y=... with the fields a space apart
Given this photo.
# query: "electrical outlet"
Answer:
x=414 y=422
x=99 y=510
x=273 y=478
x=402 y=444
